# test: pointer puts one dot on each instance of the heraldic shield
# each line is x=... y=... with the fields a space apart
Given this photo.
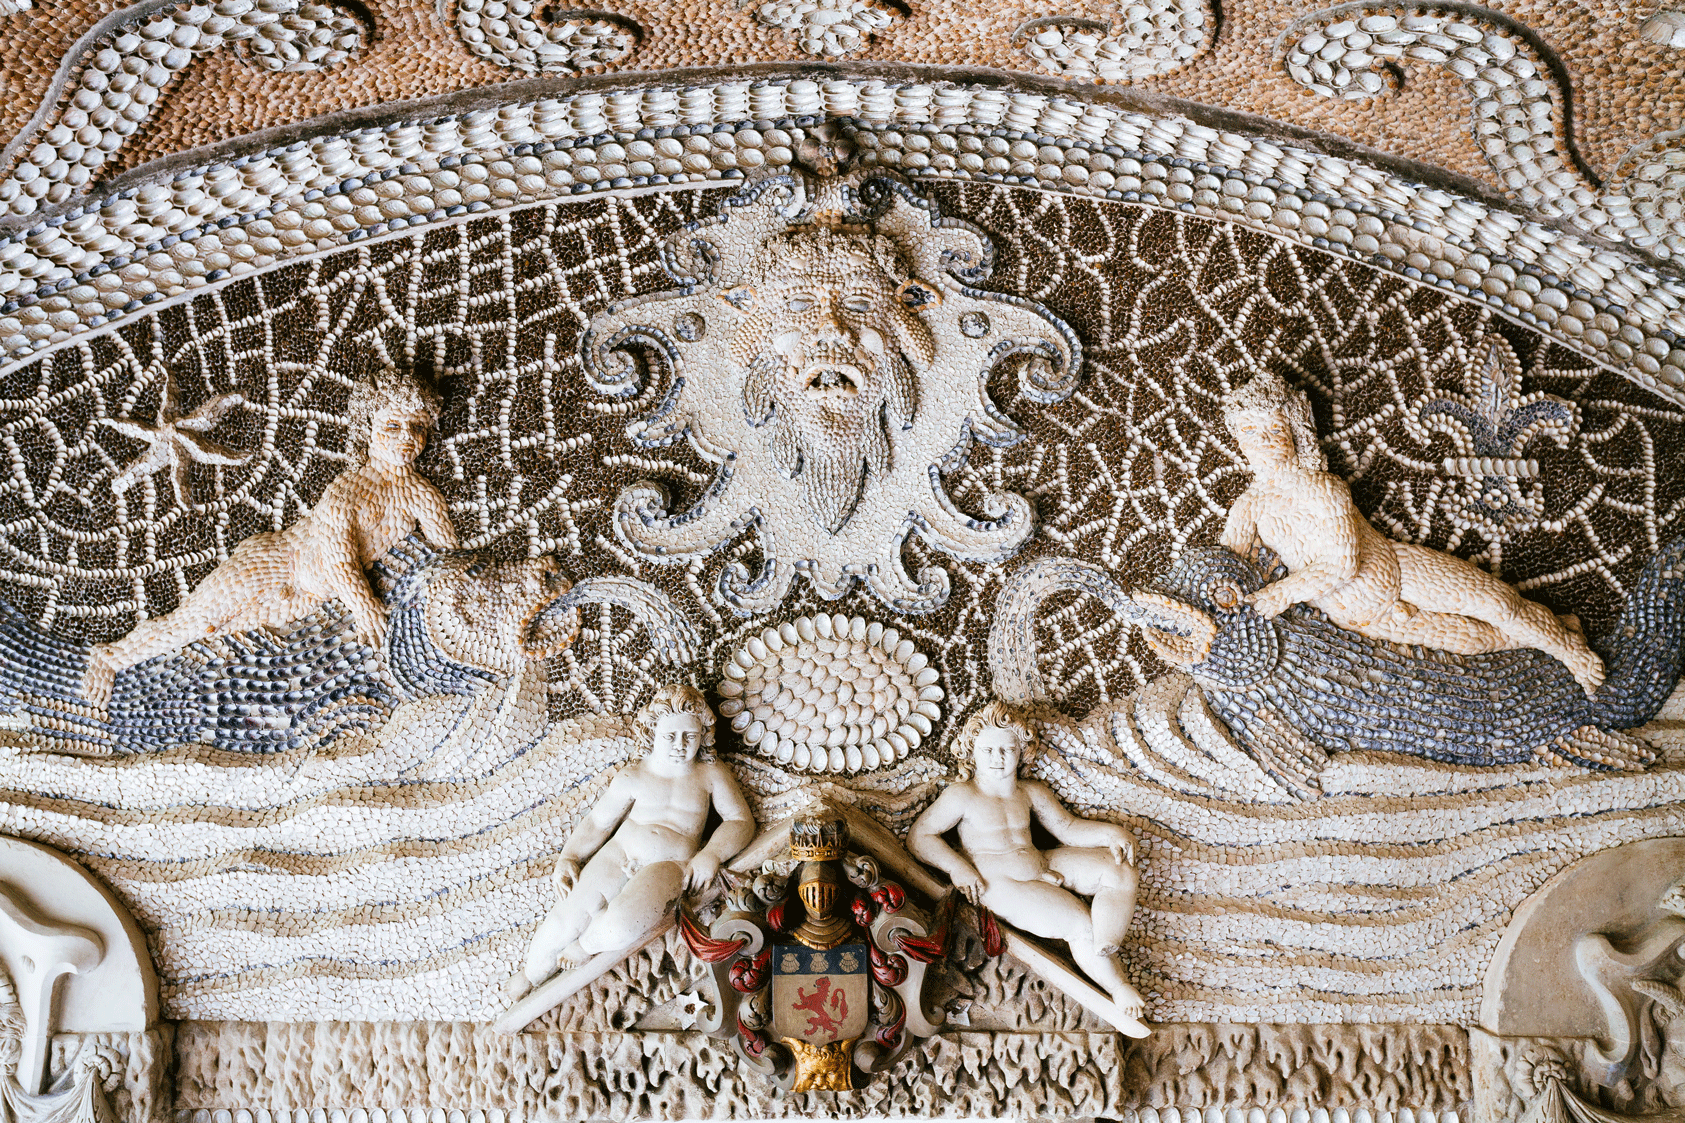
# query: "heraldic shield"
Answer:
x=820 y=998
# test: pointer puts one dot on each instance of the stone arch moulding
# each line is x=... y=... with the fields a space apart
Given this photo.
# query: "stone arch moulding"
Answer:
x=78 y=990
x=181 y=226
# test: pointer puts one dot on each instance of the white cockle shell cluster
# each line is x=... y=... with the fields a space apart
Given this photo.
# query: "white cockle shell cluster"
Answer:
x=543 y=39
x=831 y=694
x=314 y=36
x=1149 y=39
x=827 y=28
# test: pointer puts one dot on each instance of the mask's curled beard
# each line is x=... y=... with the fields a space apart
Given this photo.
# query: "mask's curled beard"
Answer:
x=829 y=450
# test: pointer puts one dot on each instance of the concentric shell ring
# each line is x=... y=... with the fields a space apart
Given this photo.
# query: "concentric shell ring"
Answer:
x=831 y=693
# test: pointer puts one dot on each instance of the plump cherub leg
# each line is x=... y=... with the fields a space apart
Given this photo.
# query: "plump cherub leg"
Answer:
x=643 y=903
x=1053 y=913
x=556 y=943
x=252 y=588
x=1444 y=589
x=1093 y=872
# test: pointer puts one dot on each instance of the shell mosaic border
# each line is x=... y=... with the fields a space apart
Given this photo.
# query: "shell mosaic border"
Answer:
x=172 y=232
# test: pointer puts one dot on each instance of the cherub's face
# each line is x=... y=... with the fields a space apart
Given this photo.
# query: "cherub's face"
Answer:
x=678 y=738
x=398 y=436
x=1265 y=439
x=997 y=753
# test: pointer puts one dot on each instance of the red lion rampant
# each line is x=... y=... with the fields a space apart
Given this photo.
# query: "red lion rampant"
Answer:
x=818 y=1020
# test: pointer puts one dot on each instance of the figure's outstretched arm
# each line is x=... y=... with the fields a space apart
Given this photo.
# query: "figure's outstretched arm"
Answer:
x=1073 y=830
x=600 y=822
x=1335 y=527
x=432 y=514
x=345 y=578
x=590 y=833
x=736 y=829
x=926 y=843
x=1240 y=527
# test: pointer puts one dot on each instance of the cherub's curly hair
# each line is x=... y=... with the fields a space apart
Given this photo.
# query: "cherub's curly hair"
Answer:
x=995 y=715
x=388 y=388
x=1268 y=395
x=678 y=699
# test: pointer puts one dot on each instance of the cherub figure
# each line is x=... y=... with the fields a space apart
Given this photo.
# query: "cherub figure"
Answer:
x=276 y=577
x=1357 y=576
x=641 y=844
x=999 y=867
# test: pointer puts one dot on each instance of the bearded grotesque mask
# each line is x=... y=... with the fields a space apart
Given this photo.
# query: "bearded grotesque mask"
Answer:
x=832 y=349
x=828 y=349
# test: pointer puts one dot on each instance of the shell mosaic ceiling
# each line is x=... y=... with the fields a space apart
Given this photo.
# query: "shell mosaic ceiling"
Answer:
x=531 y=537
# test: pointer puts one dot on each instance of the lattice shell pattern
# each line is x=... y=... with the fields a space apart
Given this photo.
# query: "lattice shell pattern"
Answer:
x=530 y=465
x=831 y=693
x=63 y=280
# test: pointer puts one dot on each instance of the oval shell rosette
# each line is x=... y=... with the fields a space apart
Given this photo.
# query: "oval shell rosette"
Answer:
x=831 y=694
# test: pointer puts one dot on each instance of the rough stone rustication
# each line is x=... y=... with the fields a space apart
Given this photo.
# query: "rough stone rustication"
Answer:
x=1382 y=1068
x=548 y=1075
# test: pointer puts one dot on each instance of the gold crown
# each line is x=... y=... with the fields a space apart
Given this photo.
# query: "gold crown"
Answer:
x=820 y=835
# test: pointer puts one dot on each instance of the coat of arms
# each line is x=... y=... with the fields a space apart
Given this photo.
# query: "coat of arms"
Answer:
x=818 y=964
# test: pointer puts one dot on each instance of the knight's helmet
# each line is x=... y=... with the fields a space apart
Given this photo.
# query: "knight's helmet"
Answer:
x=819 y=839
